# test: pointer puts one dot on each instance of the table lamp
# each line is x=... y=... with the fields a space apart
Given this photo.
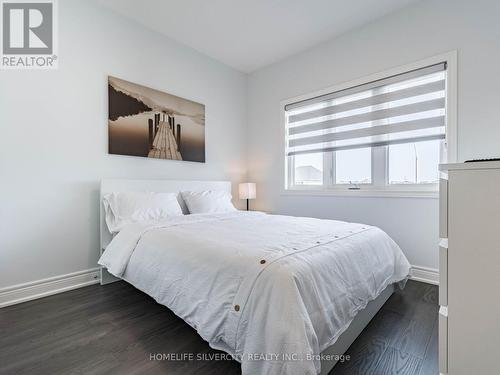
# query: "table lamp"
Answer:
x=247 y=191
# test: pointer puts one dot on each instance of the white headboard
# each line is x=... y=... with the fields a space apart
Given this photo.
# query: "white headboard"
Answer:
x=164 y=186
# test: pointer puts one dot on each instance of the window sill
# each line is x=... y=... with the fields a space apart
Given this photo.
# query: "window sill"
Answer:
x=368 y=193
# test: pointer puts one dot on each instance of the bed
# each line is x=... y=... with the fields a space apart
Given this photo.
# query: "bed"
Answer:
x=282 y=295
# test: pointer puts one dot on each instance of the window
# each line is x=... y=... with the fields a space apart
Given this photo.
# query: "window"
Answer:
x=308 y=169
x=353 y=166
x=414 y=163
x=387 y=134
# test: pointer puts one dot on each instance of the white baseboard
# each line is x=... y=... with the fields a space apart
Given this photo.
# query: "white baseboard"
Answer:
x=425 y=275
x=58 y=284
x=46 y=287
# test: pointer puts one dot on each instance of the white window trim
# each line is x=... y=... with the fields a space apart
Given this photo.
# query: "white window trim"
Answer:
x=369 y=190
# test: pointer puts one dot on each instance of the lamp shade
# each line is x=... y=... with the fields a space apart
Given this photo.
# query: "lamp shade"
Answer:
x=247 y=190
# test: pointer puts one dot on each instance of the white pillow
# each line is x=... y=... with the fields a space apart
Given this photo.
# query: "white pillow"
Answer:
x=210 y=201
x=123 y=208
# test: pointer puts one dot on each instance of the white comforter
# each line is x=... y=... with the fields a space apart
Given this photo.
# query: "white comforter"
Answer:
x=270 y=290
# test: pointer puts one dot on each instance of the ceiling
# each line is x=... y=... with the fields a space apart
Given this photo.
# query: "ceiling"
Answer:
x=250 y=34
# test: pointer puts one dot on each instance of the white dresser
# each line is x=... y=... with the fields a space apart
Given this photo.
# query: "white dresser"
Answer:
x=469 y=269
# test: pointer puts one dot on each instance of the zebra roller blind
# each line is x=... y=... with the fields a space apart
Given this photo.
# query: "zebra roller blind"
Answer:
x=405 y=108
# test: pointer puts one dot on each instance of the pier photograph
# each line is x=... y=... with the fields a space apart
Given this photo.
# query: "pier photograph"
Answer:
x=150 y=123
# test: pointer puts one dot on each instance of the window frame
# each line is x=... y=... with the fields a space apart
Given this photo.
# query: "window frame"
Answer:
x=379 y=185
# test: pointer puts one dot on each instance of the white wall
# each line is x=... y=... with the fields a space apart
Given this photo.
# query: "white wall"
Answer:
x=426 y=29
x=53 y=142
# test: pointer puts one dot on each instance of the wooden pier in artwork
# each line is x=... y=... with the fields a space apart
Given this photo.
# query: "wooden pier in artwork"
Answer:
x=164 y=137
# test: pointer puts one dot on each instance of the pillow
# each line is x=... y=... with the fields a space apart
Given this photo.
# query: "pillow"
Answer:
x=210 y=201
x=123 y=208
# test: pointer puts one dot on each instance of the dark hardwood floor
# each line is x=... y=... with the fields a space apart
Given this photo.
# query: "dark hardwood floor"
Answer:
x=401 y=339
x=114 y=329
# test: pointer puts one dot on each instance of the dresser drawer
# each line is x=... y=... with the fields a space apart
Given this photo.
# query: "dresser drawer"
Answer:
x=443 y=208
x=443 y=272
x=443 y=340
